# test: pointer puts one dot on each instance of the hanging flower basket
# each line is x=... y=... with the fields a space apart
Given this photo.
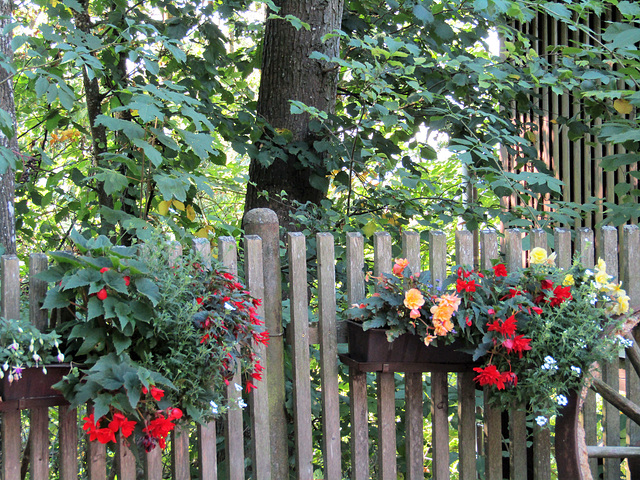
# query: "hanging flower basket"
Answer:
x=34 y=389
x=372 y=346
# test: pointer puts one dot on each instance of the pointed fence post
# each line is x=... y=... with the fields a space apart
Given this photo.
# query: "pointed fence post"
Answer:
x=264 y=223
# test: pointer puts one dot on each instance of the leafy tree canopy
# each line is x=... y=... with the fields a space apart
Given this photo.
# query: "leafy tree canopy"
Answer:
x=129 y=112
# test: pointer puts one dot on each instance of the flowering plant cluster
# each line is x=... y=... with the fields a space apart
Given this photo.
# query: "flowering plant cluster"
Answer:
x=156 y=337
x=24 y=346
x=533 y=332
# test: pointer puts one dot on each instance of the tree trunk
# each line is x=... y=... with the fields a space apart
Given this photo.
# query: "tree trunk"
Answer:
x=7 y=179
x=289 y=74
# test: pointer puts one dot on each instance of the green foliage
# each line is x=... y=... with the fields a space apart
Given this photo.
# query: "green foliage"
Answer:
x=142 y=318
x=22 y=345
x=533 y=332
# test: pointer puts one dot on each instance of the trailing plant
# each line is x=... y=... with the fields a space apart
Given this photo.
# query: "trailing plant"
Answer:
x=22 y=346
x=535 y=332
x=156 y=337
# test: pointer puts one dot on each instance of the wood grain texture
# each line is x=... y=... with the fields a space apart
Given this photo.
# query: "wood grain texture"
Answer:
x=359 y=425
x=97 y=461
x=153 y=464
x=328 y=356
x=180 y=453
x=300 y=353
x=259 y=398
x=38 y=262
x=125 y=460
x=562 y=247
x=467 y=426
x=207 y=451
x=39 y=438
x=68 y=434
x=440 y=425
x=387 y=427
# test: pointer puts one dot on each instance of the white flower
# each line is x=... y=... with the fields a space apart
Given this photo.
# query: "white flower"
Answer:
x=5 y=367
x=228 y=306
x=241 y=403
x=540 y=420
x=37 y=358
x=238 y=387
x=562 y=400
x=60 y=357
x=44 y=369
x=214 y=407
x=549 y=359
x=576 y=370
x=13 y=346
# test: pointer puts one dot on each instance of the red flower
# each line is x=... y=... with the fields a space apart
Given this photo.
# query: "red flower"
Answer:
x=546 y=285
x=560 y=294
x=199 y=300
x=512 y=293
x=104 y=435
x=463 y=273
x=468 y=321
x=500 y=270
x=174 y=413
x=489 y=375
x=120 y=422
x=463 y=285
x=157 y=393
x=518 y=344
x=102 y=294
x=538 y=310
x=144 y=390
x=127 y=280
x=104 y=269
x=510 y=379
x=506 y=328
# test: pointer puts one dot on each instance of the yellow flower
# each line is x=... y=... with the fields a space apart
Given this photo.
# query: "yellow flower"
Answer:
x=452 y=301
x=538 y=255
x=441 y=312
x=428 y=339
x=413 y=299
x=601 y=266
x=602 y=278
x=568 y=280
x=441 y=328
x=551 y=259
x=622 y=305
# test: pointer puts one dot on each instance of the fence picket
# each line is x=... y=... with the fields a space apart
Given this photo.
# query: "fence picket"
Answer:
x=385 y=380
x=414 y=442
x=465 y=382
x=359 y=409
x=10 y=308
x=68 y=441
x=125 y=460
x=300 y=347
x=207 y=451
x=610 y=371
x=439 y=390
x=259 y=399
x=328 y=356
x=97 y=461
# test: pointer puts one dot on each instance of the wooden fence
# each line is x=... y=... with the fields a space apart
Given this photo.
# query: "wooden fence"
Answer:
x=258 y=445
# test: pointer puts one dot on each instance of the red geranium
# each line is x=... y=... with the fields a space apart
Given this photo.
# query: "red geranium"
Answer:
x=489 y=375
x=500 y=270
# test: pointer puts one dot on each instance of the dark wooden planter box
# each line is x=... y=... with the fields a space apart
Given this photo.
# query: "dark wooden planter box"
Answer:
x=33 y=389
x=405 y=354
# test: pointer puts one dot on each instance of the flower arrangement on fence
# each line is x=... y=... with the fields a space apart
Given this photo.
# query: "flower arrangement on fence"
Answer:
x=534 y=331
x=22 y=346
x=158 y=337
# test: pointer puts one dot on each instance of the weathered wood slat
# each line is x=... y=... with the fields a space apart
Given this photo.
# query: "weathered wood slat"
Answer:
x=10 y=308
x=97 y=461
x=38 y=262
x=125 y=460
x=207 y=451
x=492 y=415
x=517 y=418
x=227 y=254
x=439 y=391
x=39 y=438
x=68 y=435
x=613 y=452
x=180 y=453
x=386 y=381
x=300 y=351
x=153 y=464
x=466 y=385
x=328 y=356
x=414 y=441
x=359 y=412
x=259 y=399
x=610 y=371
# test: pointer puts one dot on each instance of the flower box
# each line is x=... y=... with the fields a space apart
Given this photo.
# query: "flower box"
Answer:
x=372 y=346
x=33 y=389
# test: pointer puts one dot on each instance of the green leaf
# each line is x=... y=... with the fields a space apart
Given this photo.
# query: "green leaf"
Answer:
x=201 y=143
x=120 y=341
x=171 y=187
x=94 y=308
x=81 y=278
x=93 y=337
x=131 y=129
x=149 y=289
x=101 y=405
x=114 y=181
x=132 y=386
x=55 y=299
x=152 y=154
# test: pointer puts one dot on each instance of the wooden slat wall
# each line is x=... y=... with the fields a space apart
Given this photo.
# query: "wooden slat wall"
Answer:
x=575 y=163
x=386 y=449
